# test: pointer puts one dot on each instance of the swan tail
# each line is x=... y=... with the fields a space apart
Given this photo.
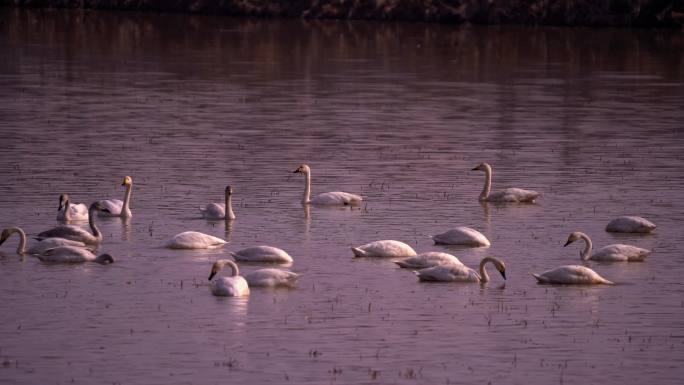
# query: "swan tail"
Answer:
x=539 y=278
x=358 y=252
x=402 y=264
x=607 y=282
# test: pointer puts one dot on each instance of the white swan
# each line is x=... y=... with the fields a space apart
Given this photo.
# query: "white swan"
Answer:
x=232 y=286
x=461 y=236
x=429 y=259
x=508 y=195
x=325 y=199
x=461 y=273
x=386 y=248
x=194 y=240
x=266 y=254
x=215 y=211
x=117 y=208
x=76 y=233
x=71 y=212
x=70 y=254
x=610 y=253
x=272 y=278
x=41 y=246
x=571 y=275
x=630 y=224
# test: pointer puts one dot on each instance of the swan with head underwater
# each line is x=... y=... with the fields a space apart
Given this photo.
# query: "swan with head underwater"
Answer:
x=214 y=211
x=511 y=195
x=71 y=254
x=76 y=233
x=230 y=286
x=117 y=208
x=461 y=273
x=334 y=198
x=609 y=253
x=66 y=211
x=388 y=248
x=39 y=247
x=630 y=224
x=271 y=278
x=194 y=240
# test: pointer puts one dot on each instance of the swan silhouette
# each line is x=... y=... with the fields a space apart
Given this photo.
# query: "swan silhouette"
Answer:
x=460 y=272
x=213 y=211
x=75 y=233
x=328 y=198
x=117 y=208
x=610 y=253
x=386 y=248
x=66 y=211
x=231 y=286
x=630 y=224
x=508 y=195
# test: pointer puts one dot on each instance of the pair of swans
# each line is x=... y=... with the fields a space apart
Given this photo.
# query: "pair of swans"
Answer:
x=396 y=249
x=55 y=250
x=630 y=224
x=190 y=240
x=334 y=198
x=507 y=195
x=215 y=211
x=76 y=233
x=111 y=207
x=235 y=285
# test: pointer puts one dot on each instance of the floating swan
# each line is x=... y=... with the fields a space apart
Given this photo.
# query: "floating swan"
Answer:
x=232 y=286
x=266 y=254
x=71 y=212
x=429 y=259
x=214 y=211
x=507 y=195
x=386 y=248
x=461 y=236
x=194 y=240
x=325 y=199
x=76 y=233
x=460 y=272
x=630 y=224
x=41 y=246
x=271 y=278
x=571 y=275
x=71 y=254
x=117 y=208
x=610 y=253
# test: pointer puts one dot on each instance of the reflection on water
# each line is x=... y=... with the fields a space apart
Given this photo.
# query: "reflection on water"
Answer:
x=398 y=112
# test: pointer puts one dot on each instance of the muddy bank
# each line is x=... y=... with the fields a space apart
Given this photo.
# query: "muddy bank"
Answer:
x=625 y=13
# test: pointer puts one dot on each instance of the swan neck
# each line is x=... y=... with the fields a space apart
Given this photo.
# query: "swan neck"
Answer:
x=487 y=185
x=484 y=277
x=234 y=268
x=307 y=188
x=229 y=207
x=67 y=212
x=21 y=249
x=125 y=209
x=586 y=253
x=91 y=223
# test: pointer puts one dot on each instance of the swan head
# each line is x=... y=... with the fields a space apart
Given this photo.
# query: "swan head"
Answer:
x=5 y=234
x=229 y=190
x=63 y=201
x=575 y=235
x=302 y=169
x=482 y=167
x=218 y=265
x=104 y=259
x=501 y=268
x=127 y=181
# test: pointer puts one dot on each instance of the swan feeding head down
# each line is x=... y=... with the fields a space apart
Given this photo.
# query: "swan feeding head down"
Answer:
x=609 y=253
x=334 y=198
x=230 y=286
x=224 y=210
x=117 y=208
x=507 y=195
x=70 y=254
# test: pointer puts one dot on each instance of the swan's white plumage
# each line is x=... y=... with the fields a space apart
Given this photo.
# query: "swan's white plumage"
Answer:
x=609 y=253
x=215 y=211
x=630 y=224
x=571 y=275
x=230 y=286
x=264 y=254
x=335 y=198
x=461 y=236
x=76 y=233
x=271 y=278
x=459 y=272
x=117 y=208
x=50 y=243
x=509 y=195
x=386 y=248
x=429 y=259
x=70 y=254
x=71 y=212
x=194 y=240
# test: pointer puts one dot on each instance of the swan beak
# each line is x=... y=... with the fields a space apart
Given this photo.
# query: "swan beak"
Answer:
x=295 y=171
x=3 y=239
x=503 y=274
x=213 y=273
x=475 y=169
x=567 y=243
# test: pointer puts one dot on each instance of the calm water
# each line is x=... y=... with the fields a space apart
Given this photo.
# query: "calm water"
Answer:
x=397 y=112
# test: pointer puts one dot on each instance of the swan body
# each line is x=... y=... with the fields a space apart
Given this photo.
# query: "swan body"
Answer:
x=429 y=259
x=76 y=233
x=630 y=224
x=571 y=275
x=460 y=272
x=265 y=254
x=610 y=253
x=214 y=211
x=461 y=236
x=508 y=195
x=230 y=286
x=194 y=240
x=71 y=254
x=383 y=249
x=271 y=278
x=335 y=198
x=39 y=247
x=71 y=212
x=117 y=208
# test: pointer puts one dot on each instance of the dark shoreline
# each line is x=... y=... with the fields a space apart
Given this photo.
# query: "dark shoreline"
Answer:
x=601 y=13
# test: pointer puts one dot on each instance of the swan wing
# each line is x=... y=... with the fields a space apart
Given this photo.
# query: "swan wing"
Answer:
x=430 y=259
x=112 y=206
x=461 y=236
x=214 y=211
x=448 y=273
x=514 y=194
x=571 y=275
x=385 y=248
x=50 y=243
x=73 y=233
x=66 y=254
x=194 y=240
x=267 y=254
x=271 y=278
x=337 y=198
x=630 y=224
x=619 y=252
x=229 y=287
